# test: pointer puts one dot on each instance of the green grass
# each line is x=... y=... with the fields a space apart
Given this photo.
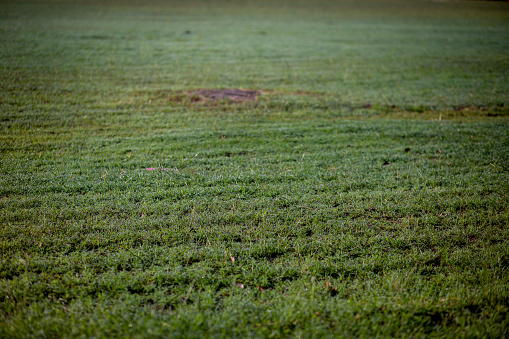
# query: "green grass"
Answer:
x=364 y=193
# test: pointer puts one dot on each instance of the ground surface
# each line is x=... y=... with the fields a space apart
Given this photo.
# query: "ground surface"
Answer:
x=230 y=94
x=362 y=190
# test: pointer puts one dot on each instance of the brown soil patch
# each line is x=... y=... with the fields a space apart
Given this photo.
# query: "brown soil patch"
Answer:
x=232 y=94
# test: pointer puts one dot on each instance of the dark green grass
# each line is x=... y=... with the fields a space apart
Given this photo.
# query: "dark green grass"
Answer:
x=364 y=193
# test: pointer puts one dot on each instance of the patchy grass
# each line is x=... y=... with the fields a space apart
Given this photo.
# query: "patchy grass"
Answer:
x=364 y=192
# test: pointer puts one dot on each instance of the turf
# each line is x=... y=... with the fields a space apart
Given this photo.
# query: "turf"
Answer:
x=365 y=192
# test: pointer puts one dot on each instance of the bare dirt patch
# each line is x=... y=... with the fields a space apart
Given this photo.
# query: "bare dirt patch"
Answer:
x=206 y=96
x=236 y=95
x=213 y=95
x=232 y=94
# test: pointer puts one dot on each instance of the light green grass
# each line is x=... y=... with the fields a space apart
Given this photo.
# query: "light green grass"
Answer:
x=364 y=193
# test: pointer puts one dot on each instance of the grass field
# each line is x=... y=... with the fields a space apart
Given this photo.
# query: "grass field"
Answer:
x=365 y=192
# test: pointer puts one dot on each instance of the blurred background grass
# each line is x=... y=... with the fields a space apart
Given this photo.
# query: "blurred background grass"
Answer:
x=383 y=52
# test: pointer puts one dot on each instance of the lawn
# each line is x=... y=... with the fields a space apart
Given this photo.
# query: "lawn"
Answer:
x=363 y=193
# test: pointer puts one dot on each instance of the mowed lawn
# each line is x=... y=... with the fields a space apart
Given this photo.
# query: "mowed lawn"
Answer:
x=363 y=193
